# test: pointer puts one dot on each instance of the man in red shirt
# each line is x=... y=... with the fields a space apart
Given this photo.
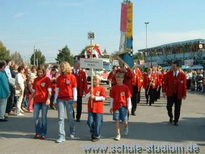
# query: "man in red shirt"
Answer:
x=174 y=87
x=150 y=81
x=96 y=108
x=136 y=81
x=81 y=87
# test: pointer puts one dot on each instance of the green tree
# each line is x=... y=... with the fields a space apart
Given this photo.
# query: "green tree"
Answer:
x=16 y=57
x=4 y=53
x=39 y=58
x=65 y=55
x=138 y=56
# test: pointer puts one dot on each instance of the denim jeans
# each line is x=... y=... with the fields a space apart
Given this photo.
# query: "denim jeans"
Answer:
x=68 y=105
x=95 y=123
x=40 y=124
x=3 y=102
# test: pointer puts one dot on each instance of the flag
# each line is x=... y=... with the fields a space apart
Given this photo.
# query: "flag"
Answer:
x=123 y=23
x=127 y=58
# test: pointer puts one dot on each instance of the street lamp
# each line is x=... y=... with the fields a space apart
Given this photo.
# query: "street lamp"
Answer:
x=146 y=23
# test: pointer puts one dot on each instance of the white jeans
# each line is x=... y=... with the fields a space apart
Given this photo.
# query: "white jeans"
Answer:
x=19 y=102
x=3 y=103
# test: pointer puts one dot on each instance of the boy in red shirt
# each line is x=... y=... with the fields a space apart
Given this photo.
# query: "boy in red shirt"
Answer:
x=120 y=104
x=96 y=108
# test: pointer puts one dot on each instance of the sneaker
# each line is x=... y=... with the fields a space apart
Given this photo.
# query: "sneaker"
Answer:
x=95 y=139
x=12 y=113
x=36 y=136
x=42 y=137
x=61 y=139
x=126 y=131
x=20 y=114
x=3 y=120
x=24 y=109
x=72 y=136
x=117 y=138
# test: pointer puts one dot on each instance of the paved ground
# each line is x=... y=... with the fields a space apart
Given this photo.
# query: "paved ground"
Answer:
x=147 y=130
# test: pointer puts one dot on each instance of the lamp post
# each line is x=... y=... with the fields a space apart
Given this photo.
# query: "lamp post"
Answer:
x=34 y=57
x=146 y=23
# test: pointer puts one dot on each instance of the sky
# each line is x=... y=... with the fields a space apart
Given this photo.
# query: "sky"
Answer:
x=50 y=25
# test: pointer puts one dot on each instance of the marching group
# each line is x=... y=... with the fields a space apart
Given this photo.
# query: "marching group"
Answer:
x=24 y=89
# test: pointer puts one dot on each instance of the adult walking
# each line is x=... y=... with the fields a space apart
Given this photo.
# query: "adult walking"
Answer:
x=174 y=88
x=81 y=87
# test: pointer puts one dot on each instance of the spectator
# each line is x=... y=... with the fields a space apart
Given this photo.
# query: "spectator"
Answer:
x=4 y=91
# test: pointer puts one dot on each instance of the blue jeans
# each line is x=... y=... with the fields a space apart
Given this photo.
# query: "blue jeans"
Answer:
x=68 y=105
x=95 y=121
x=40 y=124
x=121 y=114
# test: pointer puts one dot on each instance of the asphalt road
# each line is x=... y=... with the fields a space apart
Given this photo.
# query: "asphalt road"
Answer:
x=149 y=131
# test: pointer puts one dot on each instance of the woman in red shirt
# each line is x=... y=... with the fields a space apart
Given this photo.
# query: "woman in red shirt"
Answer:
x=66 y=97
x=42 y=93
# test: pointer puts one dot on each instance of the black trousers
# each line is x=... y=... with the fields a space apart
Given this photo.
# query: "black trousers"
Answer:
x=10 y=101
x=134 y=98
x=79 y=107
x=173 y=100
x=151 y=94
x=159 y=92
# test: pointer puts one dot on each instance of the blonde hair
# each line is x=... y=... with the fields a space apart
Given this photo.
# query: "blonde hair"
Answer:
x=67 y=68
x=97 y=77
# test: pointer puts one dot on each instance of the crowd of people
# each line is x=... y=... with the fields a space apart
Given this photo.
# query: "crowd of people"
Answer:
x=35 y=89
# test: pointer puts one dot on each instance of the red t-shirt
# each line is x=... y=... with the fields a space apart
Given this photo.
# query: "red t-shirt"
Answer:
x=41 y=85
x=120 y=93
x=98 y=106
x=66 y=83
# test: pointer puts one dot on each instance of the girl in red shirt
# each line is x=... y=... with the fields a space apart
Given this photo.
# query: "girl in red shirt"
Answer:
x=42 y=93
x=96 y=109
x=66 y=97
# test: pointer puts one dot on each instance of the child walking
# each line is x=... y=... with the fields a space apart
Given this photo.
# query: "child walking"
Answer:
x=96 y=108
x=120 y=104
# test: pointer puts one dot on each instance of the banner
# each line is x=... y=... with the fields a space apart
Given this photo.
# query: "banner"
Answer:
x=129 y=43
x=127 y=58
x=129 y=20
x=122 y=42
x=123 y=24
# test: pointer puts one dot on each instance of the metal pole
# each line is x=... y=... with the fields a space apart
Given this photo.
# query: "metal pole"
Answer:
x=34 y=57
x=146 y=23
x=91 y=36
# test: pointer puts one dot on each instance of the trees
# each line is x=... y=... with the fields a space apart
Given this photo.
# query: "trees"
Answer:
x=65 y=55
x=4 y=53
x=138 y=56
x=16 y=57
x=39 y=58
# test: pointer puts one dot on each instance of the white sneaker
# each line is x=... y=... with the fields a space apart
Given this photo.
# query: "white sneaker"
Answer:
x=117 y=138
x=72 y=136
x=126 y=131
x=20 y=114
x=61 y=139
